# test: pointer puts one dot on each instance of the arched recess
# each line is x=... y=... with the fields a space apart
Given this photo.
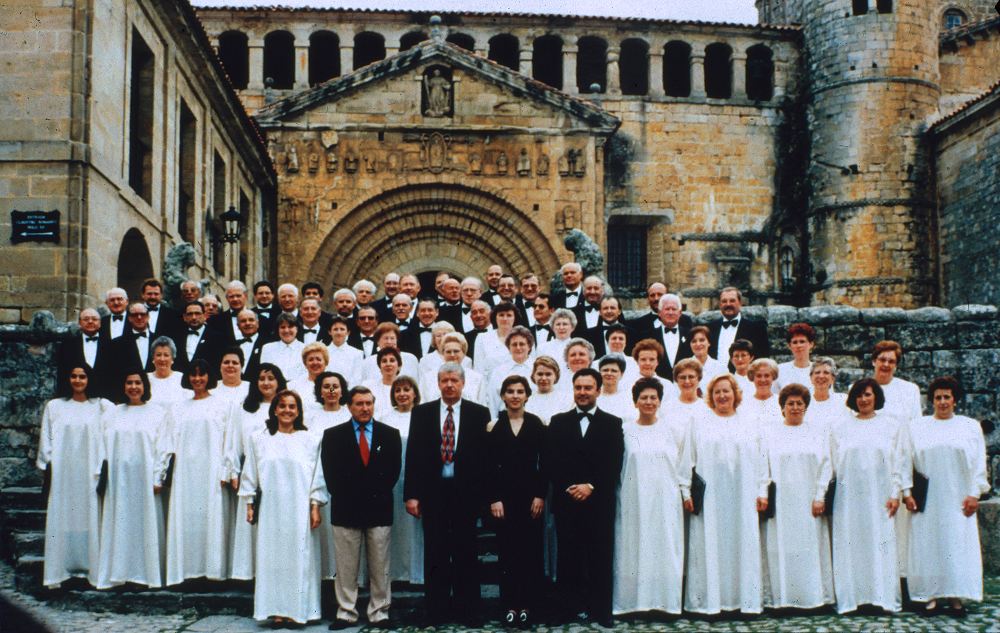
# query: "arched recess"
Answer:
x=134 y=263
x=431 y=227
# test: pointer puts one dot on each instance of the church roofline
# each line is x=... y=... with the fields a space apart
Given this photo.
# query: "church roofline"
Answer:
x=521 y=85
x=952 y=38
x=788 y=28
x=969 y=109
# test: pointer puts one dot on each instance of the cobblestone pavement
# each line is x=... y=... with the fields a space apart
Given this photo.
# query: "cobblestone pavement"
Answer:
x=64 y=619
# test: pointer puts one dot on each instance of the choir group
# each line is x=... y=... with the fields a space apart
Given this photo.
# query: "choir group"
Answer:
x=643 y=465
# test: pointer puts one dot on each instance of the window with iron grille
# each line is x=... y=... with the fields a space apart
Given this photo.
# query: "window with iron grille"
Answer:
x=627 y=257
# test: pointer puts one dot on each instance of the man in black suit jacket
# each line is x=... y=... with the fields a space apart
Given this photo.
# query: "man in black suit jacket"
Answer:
x=588 y=311
x=733 y=325
x=572 y=294
x=444 y=485
x=417 y=339
x=583 y=458
x=361 y=461
x=197 y=340
x=673 y=335
x=383 y=305
x=88 y=348
x=163 y=320
x=133 y=349
x=266 y=308
x=450 y=308
x=115 y=324
x=251 y=343
x=311 y=326
x=611 y=316
x=226 y=323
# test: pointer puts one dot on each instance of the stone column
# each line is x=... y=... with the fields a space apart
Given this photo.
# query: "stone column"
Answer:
x=346 y=57
x=656 y=72
x=525 y=56
x=301 y=67
x=698 y=72
x=255 y=66
x=739 y=66
x=613 y=71
x=391 y=50
x=779 y=80
x=569 y=70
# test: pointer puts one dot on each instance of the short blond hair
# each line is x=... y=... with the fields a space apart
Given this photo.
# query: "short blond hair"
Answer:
x=316 y=347
x=737 y=392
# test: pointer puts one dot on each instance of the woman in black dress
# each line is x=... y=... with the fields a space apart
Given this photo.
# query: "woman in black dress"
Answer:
x=517 y=496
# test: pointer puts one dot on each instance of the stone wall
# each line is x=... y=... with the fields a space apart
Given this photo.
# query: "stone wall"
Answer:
x=968 y=63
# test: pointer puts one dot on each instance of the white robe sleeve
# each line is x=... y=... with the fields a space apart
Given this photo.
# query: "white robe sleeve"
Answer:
x=248 y=480
x=902 y=462
x=319 y=494
x=684 y=461
x=45 y=438
x=761 y=470
x=166 y=443
x=978 y=484
x=825 y=472
x=231 y=442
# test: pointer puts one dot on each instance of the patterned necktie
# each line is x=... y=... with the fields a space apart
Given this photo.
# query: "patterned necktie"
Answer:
x=448 y=439
x=363 y=443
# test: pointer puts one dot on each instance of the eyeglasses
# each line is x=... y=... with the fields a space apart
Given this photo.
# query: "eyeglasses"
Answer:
x=366 y=318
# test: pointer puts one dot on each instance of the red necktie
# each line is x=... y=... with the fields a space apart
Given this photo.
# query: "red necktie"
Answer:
x=363 y=444
x=448 y=439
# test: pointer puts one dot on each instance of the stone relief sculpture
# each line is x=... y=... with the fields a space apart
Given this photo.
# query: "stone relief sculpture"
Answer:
x=542 y=168
x=179 y=258
x=564 y=168
x=523 y=163
x=292 y=159
x=475 y=164
x=502 y=163
x=350 y=163
x=371 y=163
x=579 y=164
x=313 y=162
x=437 y=90
x=331 y=159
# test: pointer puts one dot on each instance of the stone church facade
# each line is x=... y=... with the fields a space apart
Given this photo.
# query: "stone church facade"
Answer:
x=794 y=159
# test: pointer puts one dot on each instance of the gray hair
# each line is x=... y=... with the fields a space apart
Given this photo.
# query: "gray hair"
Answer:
x=519 y=330
x=115 y=291
x=190 y=283
x=362 y=283
x=237 y=285
x=669 y=297
x=165 y=341
x=478 y=301
x=571 y=266
x=401 y=297
x=392 y=274
x=247 y=311
x=442 y=326
x=592 y=278
x=564 y=313
x=345 y=291
x=90 y=311
x=582 y=342
x=452 y=368
x=288 y=287
x=823 y=361
x=473 y=280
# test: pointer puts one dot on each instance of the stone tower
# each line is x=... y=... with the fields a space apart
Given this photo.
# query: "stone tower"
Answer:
x=871 y=70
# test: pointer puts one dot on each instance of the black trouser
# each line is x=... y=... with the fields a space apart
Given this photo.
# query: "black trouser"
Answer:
x=519 y=540
x=451 y=561
x=586 y=537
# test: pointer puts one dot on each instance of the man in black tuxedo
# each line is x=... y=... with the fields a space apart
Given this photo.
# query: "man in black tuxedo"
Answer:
x=669 y=332
x=648 y=321
x=450 y=308
x=390 y=287
x=733 y=325
x=364 y=338
x=583 y=458
x=88 y=348
x=471 y=291
x=402 y=311
x=361 y=461
x=345 y=305
x=115 y=324
x=417 y=339
x=492 y=295
x=541 y=317
x=525 y=299
x=610 y=316
x=226 y=323
x=311 y=328
x=266 y=309
x=198 y=341
x=132 y=350
x=444 y=485
x=250 y=343
x=588 y=311
x=572 y=294
x=163 y=320
x=479 y=315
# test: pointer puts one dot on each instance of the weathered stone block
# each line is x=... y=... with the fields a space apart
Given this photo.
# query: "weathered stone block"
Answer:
x=978 y=369
x=779 y=315
x=982 y=406
x=829 y=315
x=978 y=333
x=17 y=471
x=989 y=535
x=974 y=312
x=840 y=339
x=882 y=316
x=923 y=335
x=929 y=315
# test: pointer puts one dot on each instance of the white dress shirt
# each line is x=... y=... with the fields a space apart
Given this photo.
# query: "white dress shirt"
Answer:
x=117 y=326
x=310 y=337
x=592 y=317
x=89 y=349
x=154 y=316
x=573 y=297
x=192 y=340
x=726 y=337
x=247 y=346
x=671 y=341
x=142 y=345
x=585 y=422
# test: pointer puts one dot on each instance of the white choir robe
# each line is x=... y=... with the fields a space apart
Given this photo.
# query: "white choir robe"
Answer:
x=763 y=413
x=745 y=384
x=234 y=395
x=629 y=376
x=288 y=358
x=318 y=420
x=166 y=391
x=826 y=413
x=383 y=396
x=556 y=350
x=200 y=511
x=709 y=370
x=798 y=571
x=871 y=467
x=724 y=558
x=649 y=524
x=619 y=404
x=70 y=444
x=346 y=361
x=132 y=540
x=242 y=426
x=307 y=391
x=500 y=373
x=284 y=467
x=489 y=352
x=789 y=374
x=902 y=402
x=370 y=370
x=692 y=410
x=430 y=364
x=474 y=390
x=546 y=405
x=944 y=552
x=406 y=553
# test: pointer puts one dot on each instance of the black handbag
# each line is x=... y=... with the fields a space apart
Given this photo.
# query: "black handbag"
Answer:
x=919 y=489
x=102 y=480
x=697 y=492
x=831 y=492
x=256 y=507
x=772 y=491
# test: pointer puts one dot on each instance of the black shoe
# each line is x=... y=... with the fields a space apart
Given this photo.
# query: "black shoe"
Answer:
x=340 y=625
x=385 y=625
x=606 y=623
x=524 y=619
x=510 y=618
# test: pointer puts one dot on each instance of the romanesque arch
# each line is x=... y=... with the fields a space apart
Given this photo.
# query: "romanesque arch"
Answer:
x=436 y=226
x=134 y=263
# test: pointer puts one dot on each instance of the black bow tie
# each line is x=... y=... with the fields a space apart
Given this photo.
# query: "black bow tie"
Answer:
x=401 y=323
x=150 y=308
x=539 y=327
x=590 y=308
x=466 y=310
x=730 y=323
x=196 y=332
x=366 y=339
x=244 y=340
x=312 y=330
x=480 y=330
x=117 y=317
x=529 y=303
x=140 y=334
x=90 y=339
x=234 y=313
x=671 y=330
x=585 y=416
x=423 y=329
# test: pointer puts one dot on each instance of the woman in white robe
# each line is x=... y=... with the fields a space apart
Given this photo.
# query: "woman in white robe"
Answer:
x=491 y=346
x=563 y=323
x=282 y=464
x=245 y=421
x=724 y=558
x=389 y=360
x=761 y=406
x=687 y=380
x=386 y=336
x=740 y=356
x=801 y=339
x=232 y=388
x=710 y=367
x=872 y=468
x=315 y=358
x=453 y=350
x=433 y=359
x=406 y=552
x=200 y=511
x=69 y=448
x=826 y=406
x=647 y=354
x=615 y=397
x=328 y=412
x=649 y=524
x=165 y=383
x=798 y=572
x=518 y=363
x=344 y=359
x=286 y=352
x=132 y=543
x=944 y=553
x=617 y=341
x=546 y=399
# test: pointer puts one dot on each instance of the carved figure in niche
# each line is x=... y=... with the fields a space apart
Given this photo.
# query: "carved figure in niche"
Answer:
x=564 y=168
x=475 y=164
x=271 y=151
x=313 y=162
x=542 y=169
x=502 y=163
x=571 y=157
x=370 y=164
x=331 y=159
x=434 y=151
x=292 y=159
x=579 y=164
x=350 y=163
x=394 y=162
x=523 y=163
x=437 y=91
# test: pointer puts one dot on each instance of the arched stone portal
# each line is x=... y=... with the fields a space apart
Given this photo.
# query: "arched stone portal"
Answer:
x=421 y=228
x=134 y=263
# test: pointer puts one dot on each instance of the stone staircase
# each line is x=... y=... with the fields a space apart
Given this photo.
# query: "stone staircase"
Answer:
x=22 y=525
